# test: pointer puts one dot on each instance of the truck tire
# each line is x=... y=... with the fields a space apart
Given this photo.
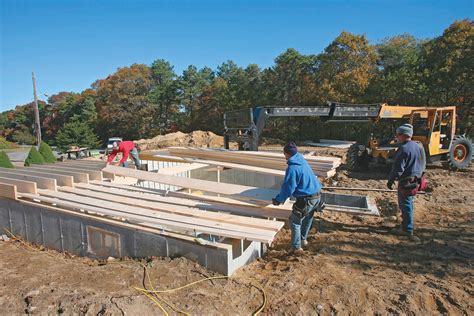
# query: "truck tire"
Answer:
x=460 y=153
x=356 y=157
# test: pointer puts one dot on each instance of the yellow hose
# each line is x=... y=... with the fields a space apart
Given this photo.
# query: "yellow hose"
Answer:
x=153 y=291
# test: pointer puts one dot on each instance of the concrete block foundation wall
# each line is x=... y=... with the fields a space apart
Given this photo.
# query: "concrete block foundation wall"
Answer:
x=85 y=235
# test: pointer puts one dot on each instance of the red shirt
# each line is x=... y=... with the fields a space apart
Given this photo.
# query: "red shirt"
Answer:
x=124 y=147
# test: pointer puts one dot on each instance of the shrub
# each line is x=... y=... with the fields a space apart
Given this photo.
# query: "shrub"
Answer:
x=4 y=144
x=5 y=161
x=23 y=137
x=34 y=157
x=46 y=152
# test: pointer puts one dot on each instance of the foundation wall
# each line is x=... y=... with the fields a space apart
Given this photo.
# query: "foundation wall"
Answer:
x=85 y=236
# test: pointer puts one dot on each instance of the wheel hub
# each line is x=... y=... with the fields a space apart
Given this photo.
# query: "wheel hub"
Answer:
x=460 y=152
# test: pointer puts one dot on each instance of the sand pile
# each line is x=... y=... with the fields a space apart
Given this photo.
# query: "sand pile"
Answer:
x=193 y=139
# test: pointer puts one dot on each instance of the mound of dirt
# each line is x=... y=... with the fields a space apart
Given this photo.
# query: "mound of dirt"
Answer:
x=193 y=139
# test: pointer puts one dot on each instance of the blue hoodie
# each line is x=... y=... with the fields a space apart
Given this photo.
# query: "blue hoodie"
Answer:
x=299 y=181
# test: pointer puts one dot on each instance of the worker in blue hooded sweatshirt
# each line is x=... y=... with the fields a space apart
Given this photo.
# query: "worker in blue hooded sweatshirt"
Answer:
x=301 y=183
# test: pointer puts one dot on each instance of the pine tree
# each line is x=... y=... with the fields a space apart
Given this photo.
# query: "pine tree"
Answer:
x=5 y=161
x=34 y=157
x=47 y=153
x=78 y=134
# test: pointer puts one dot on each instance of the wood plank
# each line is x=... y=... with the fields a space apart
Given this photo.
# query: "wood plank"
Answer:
x=21 y=185
x=262 y=209
x=60 y=179
x=255 y=154
x=144 y=216
x=156 y=212
x=274 y=172
x=127 y=225
x=252 y=194
x=41 y=182
x=78 y=176
x=93 y=174
x=278 y=164
x=173 y=205
x=8 y=191
x=266 y=165
x=181 y=194
x=180 y=168
x=98 y=167
x=90 y=166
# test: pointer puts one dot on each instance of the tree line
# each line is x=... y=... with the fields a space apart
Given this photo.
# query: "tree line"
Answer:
x=142 y=101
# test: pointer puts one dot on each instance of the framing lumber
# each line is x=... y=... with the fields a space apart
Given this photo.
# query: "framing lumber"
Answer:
x=87 y=166
x=174 y=206
x=61 y=180
x=248 y=208
x=128 y=225
x=156 y=213
x=143 y=217
x=322 y=169
x=21 y=185
x=181 y=168
x=257 y=196
x=8 y=191
x=78 y=176
x=41 y=182
x=273 y=157
x=93 y=174
x=136 y=198
x=230 y=165
x=253 y=210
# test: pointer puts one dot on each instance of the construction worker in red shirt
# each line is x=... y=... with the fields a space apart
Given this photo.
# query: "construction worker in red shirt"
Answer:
x=126 y=147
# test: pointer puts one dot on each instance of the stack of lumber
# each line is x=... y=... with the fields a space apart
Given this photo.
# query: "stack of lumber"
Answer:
x=331 y=143
x=265 y=162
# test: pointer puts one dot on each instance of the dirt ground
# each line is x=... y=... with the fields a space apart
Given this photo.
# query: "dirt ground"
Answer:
x=354 y=265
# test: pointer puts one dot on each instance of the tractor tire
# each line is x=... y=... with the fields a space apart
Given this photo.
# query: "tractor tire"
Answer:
x=356 y=157
x=460 y=153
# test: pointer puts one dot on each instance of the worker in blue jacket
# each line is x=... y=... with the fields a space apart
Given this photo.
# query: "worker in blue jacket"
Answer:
x=408 y=169
x=301 y=183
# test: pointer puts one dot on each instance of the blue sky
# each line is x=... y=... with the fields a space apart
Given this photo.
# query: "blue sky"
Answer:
x=69 y=44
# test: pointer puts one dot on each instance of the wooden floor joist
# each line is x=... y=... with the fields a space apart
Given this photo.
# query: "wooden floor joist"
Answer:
x=61 y=180
x=234 y=206
x=147 y=217
x=156 y=213
x=41 y=182
x=21 y=185
x=258 y=196
x=173 y=205
x=78 y=176
x=8 y=191
x=93 y=174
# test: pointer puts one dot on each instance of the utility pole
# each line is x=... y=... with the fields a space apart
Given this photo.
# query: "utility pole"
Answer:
x=37 y=117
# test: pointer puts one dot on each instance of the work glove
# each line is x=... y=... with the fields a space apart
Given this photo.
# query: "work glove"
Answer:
x=390 y=185
x=275 y=202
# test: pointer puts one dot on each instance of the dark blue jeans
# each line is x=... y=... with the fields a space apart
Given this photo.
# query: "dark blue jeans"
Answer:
x=300 y=226
x=405 y=203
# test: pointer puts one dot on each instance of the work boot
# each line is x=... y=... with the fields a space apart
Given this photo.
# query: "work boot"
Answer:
x=412 y=237
x=296 y=252
x=398 y=230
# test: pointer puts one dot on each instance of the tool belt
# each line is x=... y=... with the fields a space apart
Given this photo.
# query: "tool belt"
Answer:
x=409 y=186
x=302 y=207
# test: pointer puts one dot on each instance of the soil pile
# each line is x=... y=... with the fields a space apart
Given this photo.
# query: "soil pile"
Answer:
x=193 y=139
